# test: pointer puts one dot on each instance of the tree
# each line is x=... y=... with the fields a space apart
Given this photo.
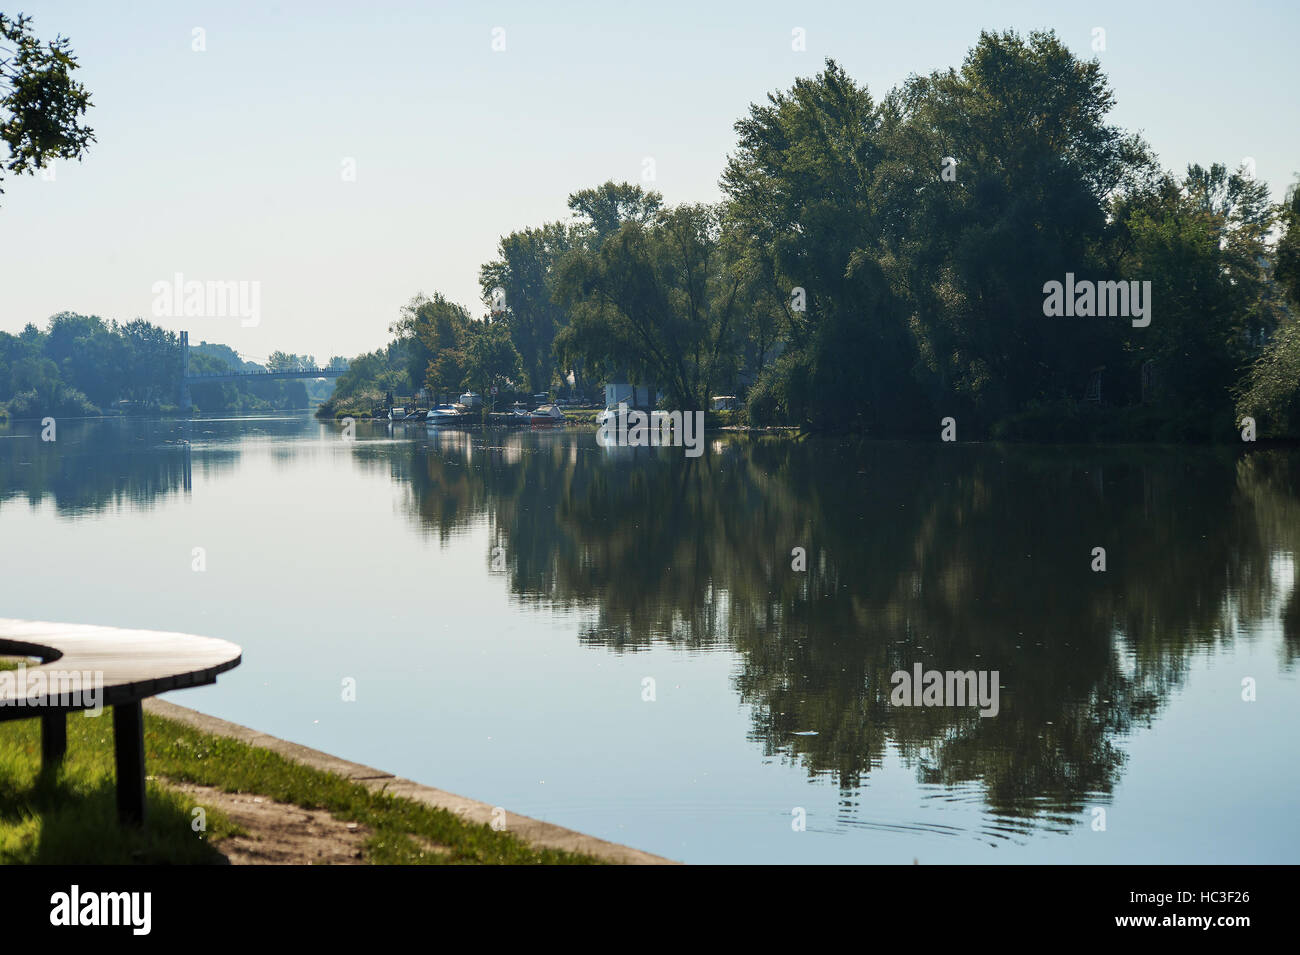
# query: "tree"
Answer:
x=804 y=194
x=281 y=361
x=89 y=354
x=429 y=335
x=1270 y=391
x=489 y=357
x=440 y=328
x=598 y=213
x=42 y=105
x=154 y=362
x=1037 y=167
x=40 y=391
x=1202 y=242
x=409 y=350
x=525 y=273
x=1287 y=269
x=911 y=296
x=660 y=304
x=374 y=374
x=602 y=211
x=878 y=264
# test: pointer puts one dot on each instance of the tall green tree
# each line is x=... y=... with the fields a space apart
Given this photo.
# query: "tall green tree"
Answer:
x=1287 y=268
x=660 y=304
x=896 y=220
x=1202 y=243
x=490 y=357
x=1270 y=390
x=520 y=283
x=802 y=192
x=155 y=362
x=603 y=210
x=598 y=212
x=89 y=353
x=1036 y=166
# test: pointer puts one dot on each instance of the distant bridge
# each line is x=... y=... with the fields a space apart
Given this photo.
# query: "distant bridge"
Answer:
x=264 y=375
x=187 y=379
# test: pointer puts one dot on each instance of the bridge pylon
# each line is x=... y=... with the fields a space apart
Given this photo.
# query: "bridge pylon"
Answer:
x=187 y=402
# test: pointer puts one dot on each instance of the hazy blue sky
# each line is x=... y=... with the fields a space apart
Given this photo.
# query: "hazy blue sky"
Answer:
x=226 y=164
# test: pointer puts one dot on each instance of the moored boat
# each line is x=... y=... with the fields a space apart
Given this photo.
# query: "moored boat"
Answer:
x=442 y=414
x=547 y=414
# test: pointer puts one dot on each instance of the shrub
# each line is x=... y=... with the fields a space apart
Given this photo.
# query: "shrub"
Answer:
x=64 y=403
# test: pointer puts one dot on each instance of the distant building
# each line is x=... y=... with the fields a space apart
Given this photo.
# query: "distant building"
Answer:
x=634 y=396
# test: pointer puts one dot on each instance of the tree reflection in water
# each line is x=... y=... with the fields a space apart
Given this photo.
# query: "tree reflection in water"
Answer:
x=958 y=557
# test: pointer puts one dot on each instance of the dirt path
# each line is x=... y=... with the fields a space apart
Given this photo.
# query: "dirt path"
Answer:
x=279 y=833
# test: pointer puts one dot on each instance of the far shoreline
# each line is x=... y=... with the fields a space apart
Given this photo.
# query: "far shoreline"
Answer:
x=716 y=423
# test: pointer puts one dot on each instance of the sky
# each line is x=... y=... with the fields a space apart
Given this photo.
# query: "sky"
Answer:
x=461 y=122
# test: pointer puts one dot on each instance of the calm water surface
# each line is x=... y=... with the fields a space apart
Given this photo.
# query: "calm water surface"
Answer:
x=502 y=598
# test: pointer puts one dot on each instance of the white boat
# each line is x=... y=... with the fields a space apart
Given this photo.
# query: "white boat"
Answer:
x=611 y=413
x=442 y=414
x=547 y=414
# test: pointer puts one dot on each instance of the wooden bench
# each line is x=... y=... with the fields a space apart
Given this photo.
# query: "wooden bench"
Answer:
x=123 y=667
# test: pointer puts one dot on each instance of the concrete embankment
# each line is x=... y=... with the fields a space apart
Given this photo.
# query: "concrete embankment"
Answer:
x=532 y=831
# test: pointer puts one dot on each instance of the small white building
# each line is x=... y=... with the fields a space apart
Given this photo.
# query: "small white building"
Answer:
x=634 y=396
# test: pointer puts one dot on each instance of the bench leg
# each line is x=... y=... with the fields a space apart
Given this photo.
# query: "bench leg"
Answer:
x=54 y=740
x=128 y=741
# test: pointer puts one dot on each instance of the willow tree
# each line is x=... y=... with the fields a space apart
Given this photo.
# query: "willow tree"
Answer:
x=658 y=301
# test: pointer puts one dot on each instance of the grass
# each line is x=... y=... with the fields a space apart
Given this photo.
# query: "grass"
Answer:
x=70 y=816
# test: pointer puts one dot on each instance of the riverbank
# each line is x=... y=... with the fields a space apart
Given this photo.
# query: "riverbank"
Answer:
x=1060 y=422
x=262 y=800
x=586 y=417
x=166 y=413
x=554 y=843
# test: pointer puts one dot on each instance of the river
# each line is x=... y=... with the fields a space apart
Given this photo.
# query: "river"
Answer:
x=623 y=640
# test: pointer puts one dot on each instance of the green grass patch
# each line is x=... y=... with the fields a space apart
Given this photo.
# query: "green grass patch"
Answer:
x=70 y=816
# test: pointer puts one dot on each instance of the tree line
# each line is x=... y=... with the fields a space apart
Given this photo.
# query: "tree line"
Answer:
x=82 y=365
x=878 y=263
x=875 y=263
